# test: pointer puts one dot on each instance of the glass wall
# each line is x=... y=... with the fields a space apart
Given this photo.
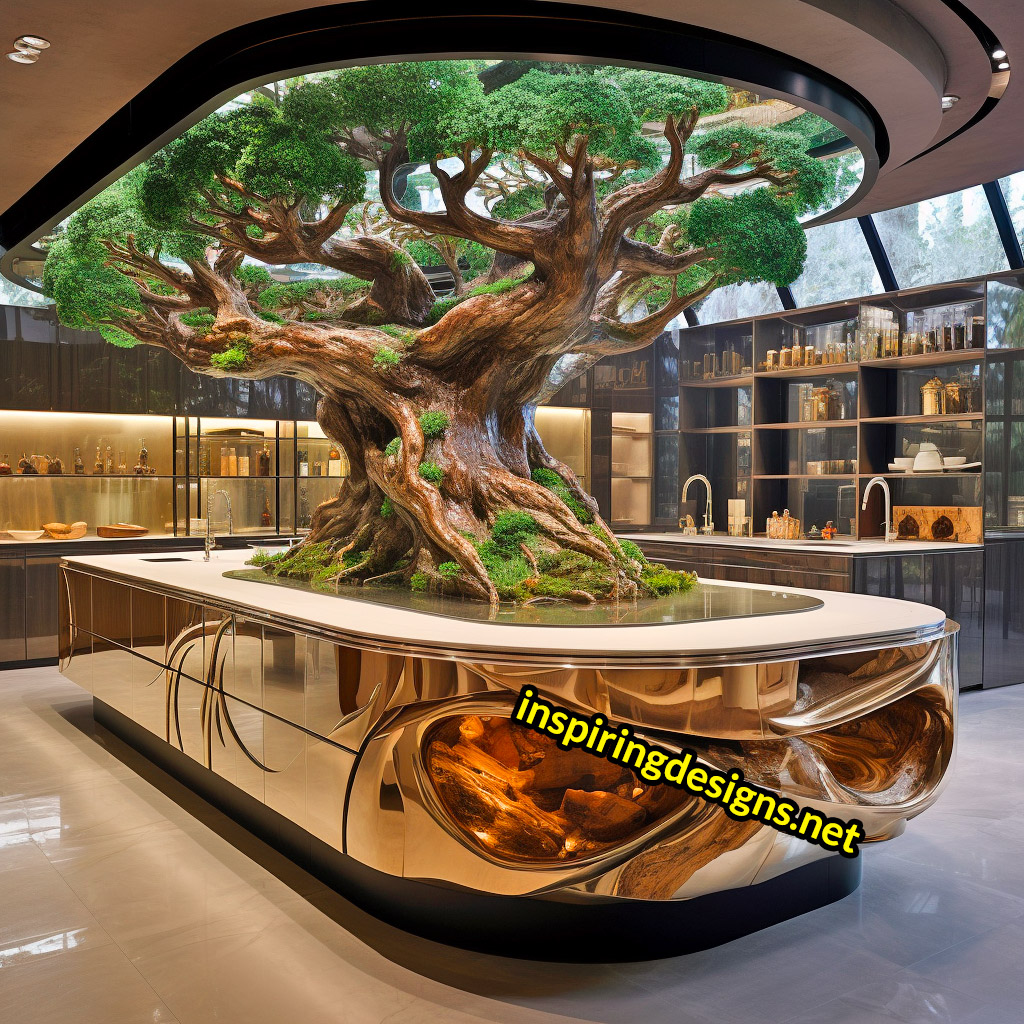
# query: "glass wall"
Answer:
x=839 y=266
x=943 y=239
x=739 y=300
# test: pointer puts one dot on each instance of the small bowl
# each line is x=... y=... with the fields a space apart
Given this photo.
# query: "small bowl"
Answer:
x=927 y=461
x=903 y=462
x=954 y=460
x=26 y=534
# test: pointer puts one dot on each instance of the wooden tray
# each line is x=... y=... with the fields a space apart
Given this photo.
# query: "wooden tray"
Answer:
x=928 y=522
x=121 y=530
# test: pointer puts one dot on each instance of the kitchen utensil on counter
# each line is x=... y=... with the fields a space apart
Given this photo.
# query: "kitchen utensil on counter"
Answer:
x=64 y=531
x=26 y=534
x=121 y=530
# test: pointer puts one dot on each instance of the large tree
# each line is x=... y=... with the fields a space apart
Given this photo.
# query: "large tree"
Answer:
x=589 y=236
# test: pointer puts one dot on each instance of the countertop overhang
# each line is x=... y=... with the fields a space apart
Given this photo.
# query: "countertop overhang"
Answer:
x=845 y=622
x=841 y=548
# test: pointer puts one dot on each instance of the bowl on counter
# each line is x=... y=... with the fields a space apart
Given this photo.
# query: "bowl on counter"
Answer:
x=953 y=461
x=25 y=534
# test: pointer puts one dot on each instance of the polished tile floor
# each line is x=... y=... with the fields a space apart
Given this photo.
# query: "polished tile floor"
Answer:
x=125 y=900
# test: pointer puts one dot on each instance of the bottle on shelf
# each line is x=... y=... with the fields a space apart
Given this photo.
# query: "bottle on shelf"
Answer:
x=25 y=467
x=109 y=463
x=243 y=465
x=5 y=466
x=78 y=463
x=55 y=466
x=303 y=462
x=97 y=466
x=334 y=462
x=265 y=518
x=263 y=461
x=232 y=462
x=122 y=463
x=224 y=464
x=142 y=466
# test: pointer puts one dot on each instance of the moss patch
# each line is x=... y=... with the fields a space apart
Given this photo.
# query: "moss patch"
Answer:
x=234 y=357
x=433 y=424
x=393 y=447
x=431 y=472
x=385 y=358
x=556 y=485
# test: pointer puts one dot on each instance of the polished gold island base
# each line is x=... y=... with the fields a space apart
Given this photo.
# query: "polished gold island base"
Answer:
x=407 y=783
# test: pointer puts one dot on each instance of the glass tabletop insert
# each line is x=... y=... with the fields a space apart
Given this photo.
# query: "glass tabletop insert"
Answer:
x=707 y=602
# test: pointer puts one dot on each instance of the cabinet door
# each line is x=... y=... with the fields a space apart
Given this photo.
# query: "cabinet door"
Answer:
x=41 y=607
x=12 y=610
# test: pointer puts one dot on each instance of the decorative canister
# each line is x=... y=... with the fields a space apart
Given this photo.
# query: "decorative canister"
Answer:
x=933 y=398
x=771 y=360
x=954 y=397
x=785 y=358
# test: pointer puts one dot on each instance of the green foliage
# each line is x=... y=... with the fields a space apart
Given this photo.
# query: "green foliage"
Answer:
x=512 y=528
x=253 y=276
x=278 y=295
x=506 y=284
x=201 y=319
x=353 y=558
x=754 y=235
x=387 y=509
x=554 y=483
x=418 y=581
x=816 y=179
x=448 y=570
x=233 y=358
x=385 y=358
x=434 y=423
x=653 y=96
x=403 y=334
x=393 y=447
x=400 y=260
x=632 y=550
x=431 y=472
x=524 y=200
x=661 y=581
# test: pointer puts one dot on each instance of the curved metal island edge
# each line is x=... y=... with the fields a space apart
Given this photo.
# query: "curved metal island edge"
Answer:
x=374 y=746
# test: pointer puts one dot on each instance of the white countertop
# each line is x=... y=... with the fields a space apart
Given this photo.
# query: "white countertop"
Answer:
x=818 y=547
x=844 y=620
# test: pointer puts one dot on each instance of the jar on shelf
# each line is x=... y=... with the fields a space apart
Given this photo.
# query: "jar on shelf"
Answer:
x=953 y=397
x=933 y=398
x=771 y=361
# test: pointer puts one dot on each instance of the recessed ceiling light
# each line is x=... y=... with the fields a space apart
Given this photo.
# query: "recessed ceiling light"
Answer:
x=39 y=43
x=998 y=54
x=1003 y=65
x=948 y=102
x=24 y=57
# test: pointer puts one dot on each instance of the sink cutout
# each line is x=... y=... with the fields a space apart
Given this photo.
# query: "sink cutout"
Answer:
x=173 y=558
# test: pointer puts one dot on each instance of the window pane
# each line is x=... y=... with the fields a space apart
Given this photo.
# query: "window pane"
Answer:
x=666 y=476
x=12 y=294
x=942 y=239
x=839 y=265
x=1013 y=192
x=738 y=300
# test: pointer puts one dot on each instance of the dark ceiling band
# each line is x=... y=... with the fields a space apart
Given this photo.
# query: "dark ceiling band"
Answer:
x=325 y=37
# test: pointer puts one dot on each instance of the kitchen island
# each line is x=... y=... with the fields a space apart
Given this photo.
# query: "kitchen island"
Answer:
x=374 y=745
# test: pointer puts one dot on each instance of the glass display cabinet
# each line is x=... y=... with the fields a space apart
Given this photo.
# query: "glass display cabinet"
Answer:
x=632 y=469
x=86 y=468
x=841 y=393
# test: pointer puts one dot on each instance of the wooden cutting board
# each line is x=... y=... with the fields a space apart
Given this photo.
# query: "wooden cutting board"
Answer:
x=928 y=522
x=121 y=530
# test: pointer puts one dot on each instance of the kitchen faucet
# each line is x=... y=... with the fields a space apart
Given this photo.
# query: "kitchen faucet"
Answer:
x=709 y=524
x=211 y=541
x=890 y=534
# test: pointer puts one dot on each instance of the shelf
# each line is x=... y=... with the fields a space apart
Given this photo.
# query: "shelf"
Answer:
x=928 y=359
x=716 y=430
x=823 y=370
x=956 y=417
x=616 y=476
x=737 y=380
x=806 y=425
x=85 y=476
x=950 y=475
x=804 y=476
